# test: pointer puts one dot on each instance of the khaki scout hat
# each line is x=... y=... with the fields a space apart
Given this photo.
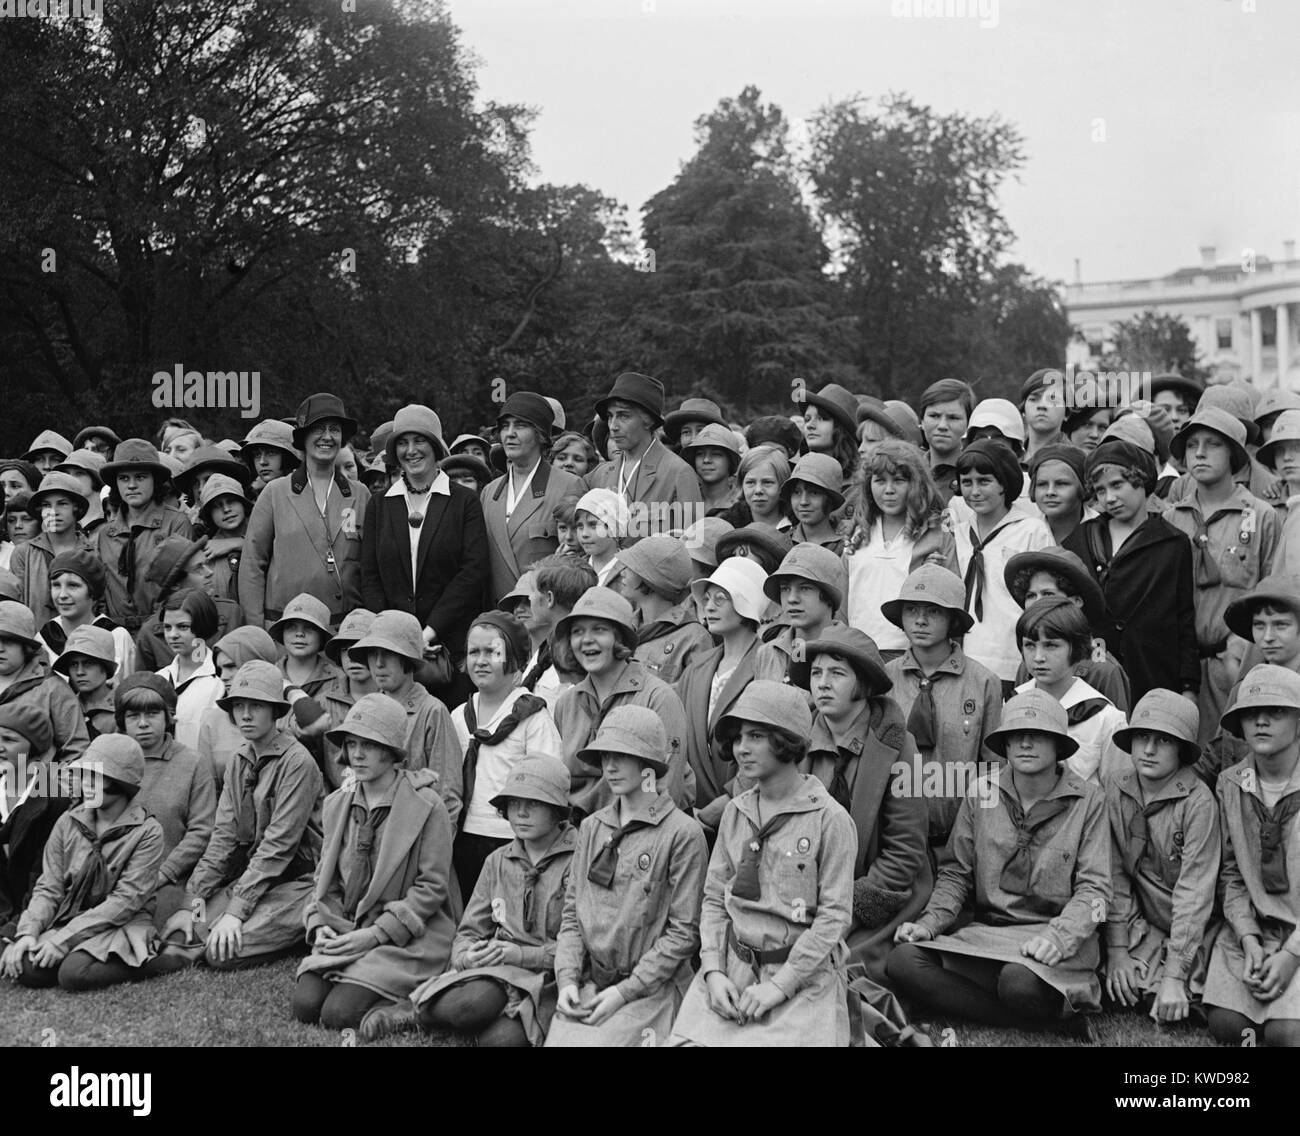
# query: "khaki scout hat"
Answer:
x=356 y=626
x=274 y=435
x=633 y=730
x=536 y=777
x=31 y=722
x=1168 y=713
x=777 y=705
x=85 y=462
x=861 y=652
x=662 y=562
x=640 y=390
x=1213 y=418
x=48 y=441
x=523 y=590
x=89 y=642
x=605 y=604
x=701 y=539
x=1037 y=711
x=17 y=622
x=219 y=485
x=817 y=565
x=692 y=410
x=256 y=681
x=134 y=453
x=821 y=471
x=1275 y=401
x=307 y=608
x=1280 y=591
x=116 y=756
x=718 y=437
x=932 y=584
x=742 y=579
x=59 y=483
x=1285 y=429
x=376 y=718
x=212 y=459
x=1264 y=685
x=391 y=630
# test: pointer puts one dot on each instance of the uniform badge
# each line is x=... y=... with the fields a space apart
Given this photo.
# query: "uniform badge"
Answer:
x=668 y=648
x=968 y=707
x=643 y=862
x=803 y=845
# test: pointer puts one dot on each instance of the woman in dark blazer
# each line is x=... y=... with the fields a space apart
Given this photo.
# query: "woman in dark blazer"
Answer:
x=426 y=518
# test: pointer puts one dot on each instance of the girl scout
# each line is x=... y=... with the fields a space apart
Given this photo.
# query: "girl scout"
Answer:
x=248 y=890
x=379 y=918
x=1164 y=862
x=1251 y=991
x=632 y=908
x=779 y=894
x=1031 y=847
x=89 y=922
x=501 y=988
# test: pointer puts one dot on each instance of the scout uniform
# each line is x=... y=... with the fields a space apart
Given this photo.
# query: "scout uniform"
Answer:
x=891 y=869
x=633 y=923
x=1232 y=550
x=782 y=917
x=32 y=560
x=219 y=737
x=949 y=710
x=264 y=848
x=782 y=654
x=96 y=644
x=310 y=610
x=579 y=714
x=430 y=737
x=95 y=893
x=1165 y=855
x=1043 y=873
x=1093 y=720
x=385 y=866
x=822 y=472
x=666 y=646
x=1261 y=861
x=339 y=698
x=520 y=902
x=224 y=549
x=33 y=685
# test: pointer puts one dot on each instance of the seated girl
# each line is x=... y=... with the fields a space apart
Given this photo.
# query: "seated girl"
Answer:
x=219 y=737
x=1164 y=826
x=1054 y=636
x=177 y=790
x=355 y=681
x=778 y=898
x=26 y=678
x=89 y=923
x=500 y=990
x=248 y=890
x=632 y=909
x=1031 y=847
x=379 y=918
x=1251 y=993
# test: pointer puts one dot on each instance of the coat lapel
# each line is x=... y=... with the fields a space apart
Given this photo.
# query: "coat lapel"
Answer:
x=494 y=515
x=433 y=518
x=401 y=830
x=530 y=504
x=731 y=689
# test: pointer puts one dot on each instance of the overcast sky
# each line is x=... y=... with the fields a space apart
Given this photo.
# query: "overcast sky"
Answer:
x=1200 y=103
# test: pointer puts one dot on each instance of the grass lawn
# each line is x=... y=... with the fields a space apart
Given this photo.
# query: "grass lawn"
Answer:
x=203 y=1007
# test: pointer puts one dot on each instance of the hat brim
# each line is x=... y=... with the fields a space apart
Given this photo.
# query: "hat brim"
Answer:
x=849 y=422
x=333 y=650
x=836 y=497
x=1240 y=457
x=1094 y=600
x=225 y=703
x=602 y=407
x=35 y=500
x=1239 y=614
x=997 y=741
x=340 y=734
x=689 y=452
x=501 y=800
x=371 y=643
x=626 y=634
x=881 y=418
x=109 y=664
x=674 y=421
x=591 y=755
x=730 y=541
x=231 y=467
x=110 y=470
x=276 y=630
x=300 y=432
x=959 y=619
x=872 y=671
x=772 y=587
x=1188 y=749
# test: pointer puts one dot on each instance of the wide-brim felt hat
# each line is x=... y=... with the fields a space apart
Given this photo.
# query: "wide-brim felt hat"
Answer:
x=777 y=705
x=640 y=390
x=932 y=584
x=115 y=756
x=1000 y=413
x=49 y=441
x=219 y=485
x=90 y=642
x=1279 y=591
x=1286 y=428
x=861 y=652
x=214 y=459
x=636 y=731
x=135 y=453
x=61 y=484
x=316 y=408
x=87 y=462
x=170 y=557
x=835 y=400
x=463 y=440
x=467 y=463
x=1192 y=388
x=1238 y=399
x=1228 y=426
x=521 y=591
x=1037 y=711
x=1059 y=562
x=701 y=539
x=31 y=722
x=663 y=562
x=719 y=438
x=600 y=602
x=773 y=541
x=814 y=563
x=822 y=472
x=306 y=608
x=376 y=718
x=692 y=410
x=274 y=434
x=416 y=419
x=18 y=622
x=1264 y=685
x=95 y=432
x=535 y=777
x=1167 y=713
x=873 y=410
x=1274 y=401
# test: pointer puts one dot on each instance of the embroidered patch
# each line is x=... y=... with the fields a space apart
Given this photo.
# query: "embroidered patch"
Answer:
x=802 y=846
x=968 y=707
x=643 y=862
x=668 y=648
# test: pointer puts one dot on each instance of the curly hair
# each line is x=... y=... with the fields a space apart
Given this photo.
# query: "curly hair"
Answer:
x=1057 y=618
x=924 y=509
x=786 y=747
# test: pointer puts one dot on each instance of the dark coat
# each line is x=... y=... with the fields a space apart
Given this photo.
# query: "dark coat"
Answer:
x=25 y=832
x=530 y=533
x=1150 y=622
x=451 y=568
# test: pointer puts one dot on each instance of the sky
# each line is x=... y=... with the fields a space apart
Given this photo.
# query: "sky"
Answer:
x=1151 y=127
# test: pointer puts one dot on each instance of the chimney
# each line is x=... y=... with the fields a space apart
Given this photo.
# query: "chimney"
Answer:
x=1288 y=250
x=1078 y=272
x=1207 y=256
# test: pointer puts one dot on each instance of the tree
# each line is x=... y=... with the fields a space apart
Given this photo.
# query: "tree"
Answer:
x=909 y=199
x=739 y=303
x=1156 y=343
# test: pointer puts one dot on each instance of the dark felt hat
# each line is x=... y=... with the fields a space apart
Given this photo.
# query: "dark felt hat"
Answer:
x=640 y=390
x=317 y=407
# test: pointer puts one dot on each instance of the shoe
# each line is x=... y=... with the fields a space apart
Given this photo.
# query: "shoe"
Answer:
x=1079 y=1027
x=388 y=1020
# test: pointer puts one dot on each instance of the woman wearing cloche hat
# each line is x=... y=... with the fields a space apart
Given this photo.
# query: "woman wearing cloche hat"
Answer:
x=380 y=917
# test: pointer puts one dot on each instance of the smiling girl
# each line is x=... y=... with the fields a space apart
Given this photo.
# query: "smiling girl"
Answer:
x=76 y=589
x=811 y=495
x=189 y=619
x=1031 y=849
x=898 y=526
x=601 y=523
